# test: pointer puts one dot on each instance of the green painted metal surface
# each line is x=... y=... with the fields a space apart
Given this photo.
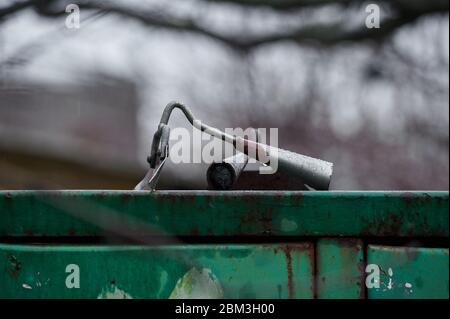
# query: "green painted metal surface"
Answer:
x=67 y=224
x=87 y=213
x=408 y=272
x=340 y=269
x=240 y=271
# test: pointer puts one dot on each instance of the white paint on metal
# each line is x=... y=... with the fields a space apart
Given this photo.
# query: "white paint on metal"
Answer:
x=26 y=286
x=113 y=292
x=197 y=284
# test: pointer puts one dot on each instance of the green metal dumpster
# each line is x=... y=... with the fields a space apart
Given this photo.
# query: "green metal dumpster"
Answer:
x=238 y=244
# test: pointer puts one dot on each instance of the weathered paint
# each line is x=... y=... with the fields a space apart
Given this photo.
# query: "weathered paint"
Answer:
x=287 y=270
x=197 y=284
x=243 y=271
x=111 y=291
x=340 y=269
x=410 y=272
x=214 y=213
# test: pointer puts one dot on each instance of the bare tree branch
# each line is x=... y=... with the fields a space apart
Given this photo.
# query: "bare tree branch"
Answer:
x=285 y=4
x=325 y=34
x=15 y=7
x=416 y=5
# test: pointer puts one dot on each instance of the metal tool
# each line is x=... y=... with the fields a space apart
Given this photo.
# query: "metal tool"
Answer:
x=313 y=172
x=159 y=155
x=223 y=175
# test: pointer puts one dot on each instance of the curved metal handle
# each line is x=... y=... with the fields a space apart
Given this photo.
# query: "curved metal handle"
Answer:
x=160 y=145
x=314 y=172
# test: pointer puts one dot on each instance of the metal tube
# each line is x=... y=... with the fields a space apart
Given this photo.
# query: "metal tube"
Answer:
x=314 y=172
x=223 y=175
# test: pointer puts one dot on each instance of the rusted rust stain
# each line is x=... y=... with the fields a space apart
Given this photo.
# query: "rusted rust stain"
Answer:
x=16 y=266
x=391 y=224
x=353 y=243
x=127 y=197
x=411 y=197
x=287 y=251
x=361 y=281
x=311 y=253
x=260 y=216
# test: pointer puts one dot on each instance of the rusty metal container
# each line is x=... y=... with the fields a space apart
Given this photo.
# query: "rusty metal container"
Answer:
x=251 y=244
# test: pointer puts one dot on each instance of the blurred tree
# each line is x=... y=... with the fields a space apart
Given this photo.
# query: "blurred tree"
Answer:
x=326 y=41
x=400 y=13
